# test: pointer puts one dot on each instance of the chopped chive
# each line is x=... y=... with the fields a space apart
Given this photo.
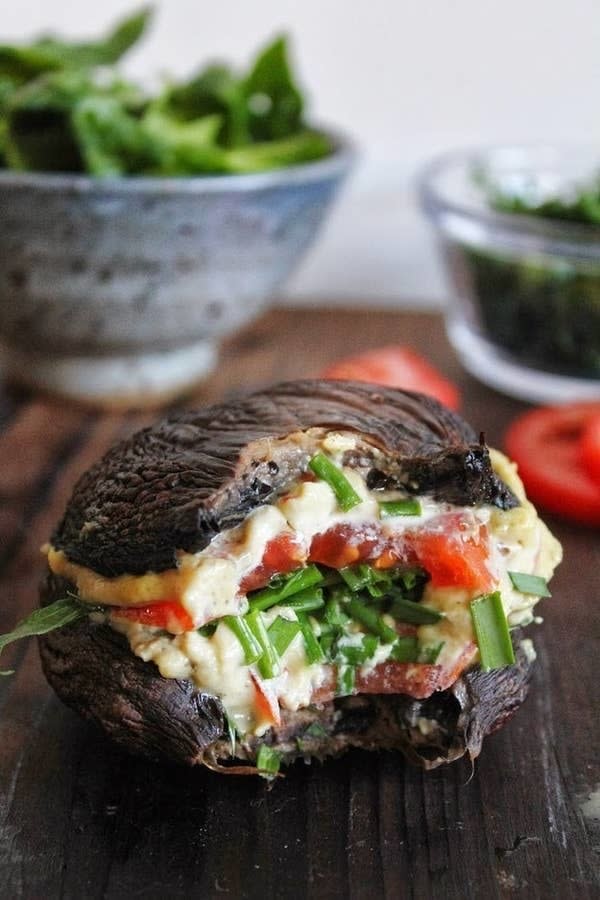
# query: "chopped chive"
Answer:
x=431 y=653
x=281 y=633
x=208 y=630
x=357 y=654
x=346 y=678
x=356 y=577
x=390 y=508
x=268 y=663
x=232 y=734
x=406 y=649
x=315 y=730
x=371 y=620
x=491 y=630
x=341 y=594
x=327 y=471
x=530 y=584
x=314 y=653
x=414 y=613
x=331 y=578
x=365 y=577
x=268 y=762
x=250 y=645
x=333 y=614
x=327 y=643
x=281 y=589
x=410 y=578
x=306 y=601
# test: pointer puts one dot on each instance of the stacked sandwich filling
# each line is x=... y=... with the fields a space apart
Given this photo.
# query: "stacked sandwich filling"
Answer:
x=336 y=587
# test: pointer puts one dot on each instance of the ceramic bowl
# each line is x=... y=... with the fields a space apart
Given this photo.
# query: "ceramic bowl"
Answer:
x=118 y=290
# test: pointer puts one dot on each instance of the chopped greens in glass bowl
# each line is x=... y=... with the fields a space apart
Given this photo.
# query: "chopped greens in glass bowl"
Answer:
x=519 y=229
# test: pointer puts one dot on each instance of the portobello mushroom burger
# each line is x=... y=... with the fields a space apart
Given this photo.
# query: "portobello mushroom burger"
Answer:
x=316 y=566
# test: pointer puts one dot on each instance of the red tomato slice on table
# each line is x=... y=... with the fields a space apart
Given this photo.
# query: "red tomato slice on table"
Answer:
x=590 y=447
x=549 y=445
x=396 y=366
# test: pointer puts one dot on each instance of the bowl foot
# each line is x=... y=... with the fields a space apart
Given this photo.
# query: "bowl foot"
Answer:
x=120 y=380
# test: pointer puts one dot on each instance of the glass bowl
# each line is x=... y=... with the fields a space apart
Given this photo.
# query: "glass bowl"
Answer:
x=524 y=315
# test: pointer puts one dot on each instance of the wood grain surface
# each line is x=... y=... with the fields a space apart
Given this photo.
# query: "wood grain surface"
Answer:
x=79 y=819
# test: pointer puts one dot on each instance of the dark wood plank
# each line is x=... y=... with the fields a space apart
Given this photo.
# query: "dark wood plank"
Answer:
x=80 y=819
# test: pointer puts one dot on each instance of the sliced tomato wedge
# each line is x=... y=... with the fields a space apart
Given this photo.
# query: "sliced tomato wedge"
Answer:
x=590 y=448
x=457 y=556
x=266 y=703
x=282 y=554
x=167 y=614
x=344 y=545
x=396 y=366
x=419 y=680
x=548 y=446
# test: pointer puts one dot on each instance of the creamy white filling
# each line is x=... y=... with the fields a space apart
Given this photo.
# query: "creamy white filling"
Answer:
x=519 y=541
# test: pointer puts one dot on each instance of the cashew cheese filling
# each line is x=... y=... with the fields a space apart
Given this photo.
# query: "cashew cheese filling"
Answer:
x=334 y=589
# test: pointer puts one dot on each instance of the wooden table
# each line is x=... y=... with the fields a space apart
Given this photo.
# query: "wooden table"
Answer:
x=80 y=819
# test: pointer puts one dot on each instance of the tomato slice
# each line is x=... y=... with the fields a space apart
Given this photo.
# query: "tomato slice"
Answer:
x=419 y=680
x=396 y=366
x=456 y=556
x=343 y=545
x=282 y=554
x=548 y=445
x=167 y=614
x=589 y=448
x=266 y=703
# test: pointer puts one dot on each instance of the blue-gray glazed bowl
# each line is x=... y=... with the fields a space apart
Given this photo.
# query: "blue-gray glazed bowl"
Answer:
x=117 y=290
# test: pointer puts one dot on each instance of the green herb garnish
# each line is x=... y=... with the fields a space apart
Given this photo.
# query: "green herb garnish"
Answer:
x=372 y=621
x=231 y=733
x=414 y=613
x=268 y=762
x=491 y=630
x=252 y=648
x=356 y=654
x=406 y=649
x=306 y=601
x=346 y=679
x=58 y=614
x=281 y=633
x=285 y=586
x=430 y=654
x=530 y=584
x=390 y=508
x=268 y=662
x=327 y=471
x=314 y=651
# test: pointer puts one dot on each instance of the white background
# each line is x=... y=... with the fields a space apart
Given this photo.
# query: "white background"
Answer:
x=406 y=79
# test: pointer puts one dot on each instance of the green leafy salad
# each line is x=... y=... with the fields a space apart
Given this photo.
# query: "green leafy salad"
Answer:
x=65 y=107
